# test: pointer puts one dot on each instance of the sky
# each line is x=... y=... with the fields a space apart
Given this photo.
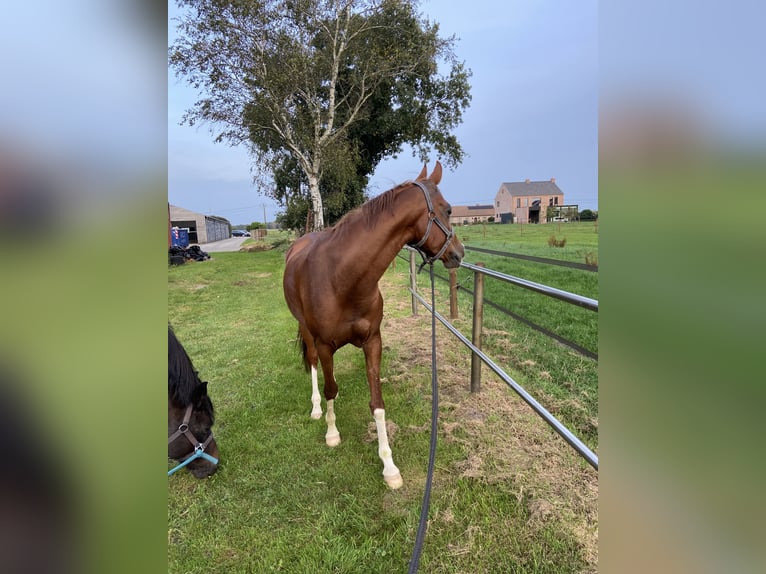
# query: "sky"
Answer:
x=533 y=114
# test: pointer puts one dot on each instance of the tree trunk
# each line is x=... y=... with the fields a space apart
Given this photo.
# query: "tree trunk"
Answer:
x=316 y=202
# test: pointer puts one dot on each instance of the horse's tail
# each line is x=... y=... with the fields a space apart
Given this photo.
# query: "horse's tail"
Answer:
x=300 y=341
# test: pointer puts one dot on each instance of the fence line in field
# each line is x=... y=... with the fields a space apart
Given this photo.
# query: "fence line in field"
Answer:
x=532 y=325
x=560 y=294
x=563 y=431
x=452 y=280
x=545 y=260
x=475 y=344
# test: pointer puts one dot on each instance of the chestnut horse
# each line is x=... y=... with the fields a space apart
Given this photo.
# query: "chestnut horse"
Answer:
x=331 y=287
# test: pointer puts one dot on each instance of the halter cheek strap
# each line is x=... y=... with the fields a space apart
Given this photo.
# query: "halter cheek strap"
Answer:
x=432 y=218
x=199 y=447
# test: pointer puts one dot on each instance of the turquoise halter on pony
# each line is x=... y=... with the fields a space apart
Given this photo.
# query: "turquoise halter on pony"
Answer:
x=199 y=447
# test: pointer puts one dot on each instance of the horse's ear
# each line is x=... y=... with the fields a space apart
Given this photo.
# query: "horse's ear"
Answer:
x=423 y=172
x=436 y=174
x=200 y=391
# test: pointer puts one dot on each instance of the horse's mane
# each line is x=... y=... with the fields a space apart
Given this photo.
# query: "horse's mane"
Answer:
x=369 y=211
x=183 y=380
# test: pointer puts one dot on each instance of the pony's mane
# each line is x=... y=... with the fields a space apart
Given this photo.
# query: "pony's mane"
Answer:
x=369 y=211
x=183 y=380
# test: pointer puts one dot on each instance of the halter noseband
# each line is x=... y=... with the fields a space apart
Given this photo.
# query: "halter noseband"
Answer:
x=432 y=218
x=199 y=447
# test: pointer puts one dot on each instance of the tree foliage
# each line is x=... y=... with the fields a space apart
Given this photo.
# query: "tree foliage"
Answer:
x=321 y=90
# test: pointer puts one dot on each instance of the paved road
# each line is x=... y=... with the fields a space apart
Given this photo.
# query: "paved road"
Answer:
x=230 y=244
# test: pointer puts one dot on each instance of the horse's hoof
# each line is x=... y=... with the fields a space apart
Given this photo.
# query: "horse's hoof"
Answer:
x=332 y=439
x=394 y=481
x=317 y=414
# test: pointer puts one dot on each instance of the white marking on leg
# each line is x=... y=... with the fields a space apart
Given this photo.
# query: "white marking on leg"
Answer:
x=390 y=473
x=316 y=399
x=332 y=438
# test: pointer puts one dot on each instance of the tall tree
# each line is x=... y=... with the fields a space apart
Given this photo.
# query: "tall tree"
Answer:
x=326 y=87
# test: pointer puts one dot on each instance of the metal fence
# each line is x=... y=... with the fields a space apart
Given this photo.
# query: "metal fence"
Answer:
x=474 y=344
x=535 y=259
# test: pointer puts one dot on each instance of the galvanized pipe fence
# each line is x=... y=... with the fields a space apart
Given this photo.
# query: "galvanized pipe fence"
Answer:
x=535 y=259
x=566 y=296
x=477 y=356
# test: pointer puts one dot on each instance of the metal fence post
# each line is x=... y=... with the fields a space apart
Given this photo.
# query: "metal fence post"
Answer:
x=453 y=293
x=478 y=317
x=413 y=282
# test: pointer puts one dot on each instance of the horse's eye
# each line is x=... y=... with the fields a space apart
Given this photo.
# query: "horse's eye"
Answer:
x=449 y=211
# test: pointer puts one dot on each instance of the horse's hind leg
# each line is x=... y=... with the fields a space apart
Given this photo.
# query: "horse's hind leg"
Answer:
x=332 y=437
x=310 y=357
x=316 y=399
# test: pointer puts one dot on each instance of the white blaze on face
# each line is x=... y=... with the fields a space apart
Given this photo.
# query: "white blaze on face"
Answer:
x=390 y=472
x=316 y=399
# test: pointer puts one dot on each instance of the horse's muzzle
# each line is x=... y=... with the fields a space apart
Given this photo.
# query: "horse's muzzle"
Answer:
x=202 y=468
x=454 y=255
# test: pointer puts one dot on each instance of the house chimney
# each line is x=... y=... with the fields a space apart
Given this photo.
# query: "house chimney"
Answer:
x=527 y=181
x=553 y=180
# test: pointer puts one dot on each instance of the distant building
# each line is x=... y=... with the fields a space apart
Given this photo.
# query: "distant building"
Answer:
x=527 y=201
x=470 y=214
x=202 y=228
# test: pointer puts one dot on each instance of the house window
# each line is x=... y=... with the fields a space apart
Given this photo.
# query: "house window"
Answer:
x=497 y=203
x=518 y=202
x=556 y=199
x=550 y=201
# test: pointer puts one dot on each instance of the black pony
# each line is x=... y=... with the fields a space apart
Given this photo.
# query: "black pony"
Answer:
x=190 y=415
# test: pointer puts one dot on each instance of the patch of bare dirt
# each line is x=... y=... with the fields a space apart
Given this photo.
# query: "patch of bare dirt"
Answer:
x=256 y=247
x=506 y=440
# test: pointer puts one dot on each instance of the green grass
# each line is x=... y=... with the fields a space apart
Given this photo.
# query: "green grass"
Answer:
x=582 y=239
x=569 y=321
x=284 y=502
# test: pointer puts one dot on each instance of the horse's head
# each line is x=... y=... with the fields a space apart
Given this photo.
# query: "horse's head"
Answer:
x=190 y=427
x=438 y=241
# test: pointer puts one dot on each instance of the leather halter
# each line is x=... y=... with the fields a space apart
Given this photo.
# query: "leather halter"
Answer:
x=432 y=218
x=199 y=447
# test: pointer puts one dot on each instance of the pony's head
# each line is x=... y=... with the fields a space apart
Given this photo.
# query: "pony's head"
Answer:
x=192 y=426
x=437 y=240
x=190 y=414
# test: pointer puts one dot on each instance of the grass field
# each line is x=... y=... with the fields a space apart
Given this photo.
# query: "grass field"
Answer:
x=509 y=495
x=581 y=239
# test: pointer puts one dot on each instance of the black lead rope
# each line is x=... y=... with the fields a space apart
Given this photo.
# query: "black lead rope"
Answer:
x=415 y=559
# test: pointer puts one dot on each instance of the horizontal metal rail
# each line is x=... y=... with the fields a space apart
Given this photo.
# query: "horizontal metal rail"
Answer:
x=564 y=432
x=540 y=329
x=573 y=298
x=544 y=260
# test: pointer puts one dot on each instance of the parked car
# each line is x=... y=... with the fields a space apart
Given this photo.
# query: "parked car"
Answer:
x=240 y=233
x=561 y=219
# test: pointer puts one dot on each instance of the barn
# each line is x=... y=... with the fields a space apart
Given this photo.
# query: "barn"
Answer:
x=470 y=214
x=202 y=228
